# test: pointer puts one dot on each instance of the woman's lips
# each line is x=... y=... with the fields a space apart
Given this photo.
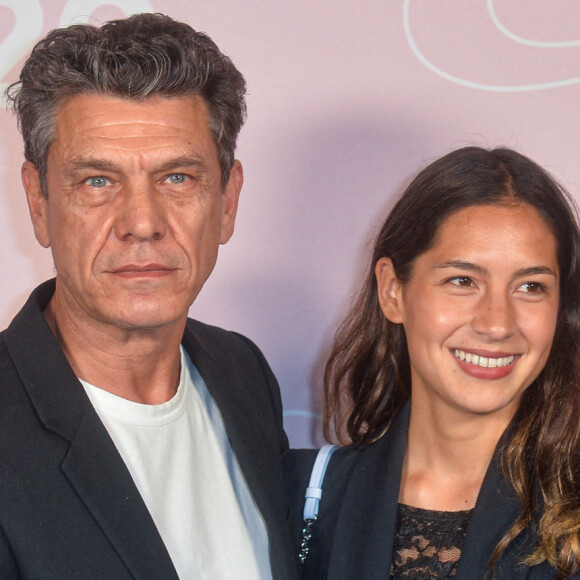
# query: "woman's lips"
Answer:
x=486 y=365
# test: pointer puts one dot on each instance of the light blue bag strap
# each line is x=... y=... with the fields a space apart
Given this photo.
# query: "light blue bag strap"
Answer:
x=314 y=489
x=313 y=495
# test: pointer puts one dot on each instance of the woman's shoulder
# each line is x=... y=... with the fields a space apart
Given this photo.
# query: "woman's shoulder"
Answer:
x=387 y=450
x=298 y=463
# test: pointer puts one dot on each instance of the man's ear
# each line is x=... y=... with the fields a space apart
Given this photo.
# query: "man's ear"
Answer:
x=390 y=290
x=37 y=203
x=231 y=196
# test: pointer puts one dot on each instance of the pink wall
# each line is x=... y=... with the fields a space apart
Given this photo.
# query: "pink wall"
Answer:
x=346 y=101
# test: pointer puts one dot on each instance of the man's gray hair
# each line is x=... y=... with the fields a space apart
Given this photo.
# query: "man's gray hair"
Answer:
x=134 y=58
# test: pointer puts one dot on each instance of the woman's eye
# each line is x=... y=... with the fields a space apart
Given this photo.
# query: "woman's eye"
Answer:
x=461 y=281
x=533 y=287
x=176 y=178
x=97 y=181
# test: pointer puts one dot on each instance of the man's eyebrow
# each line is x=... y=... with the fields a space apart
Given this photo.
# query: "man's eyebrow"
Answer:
x=72 y=167
x=75 y=165
x=471 y=267
x=183 y=161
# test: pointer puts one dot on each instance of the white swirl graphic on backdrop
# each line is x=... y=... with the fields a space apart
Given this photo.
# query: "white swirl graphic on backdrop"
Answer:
x=27 y=28
x=525 y=41
x=504 y=30
x=79 y=11
x=29 y=22
x=302 y=413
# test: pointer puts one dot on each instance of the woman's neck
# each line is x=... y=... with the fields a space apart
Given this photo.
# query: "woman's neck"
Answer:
x=447 y=456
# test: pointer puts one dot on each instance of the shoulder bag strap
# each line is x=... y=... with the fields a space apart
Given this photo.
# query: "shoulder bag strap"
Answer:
x=313 y=495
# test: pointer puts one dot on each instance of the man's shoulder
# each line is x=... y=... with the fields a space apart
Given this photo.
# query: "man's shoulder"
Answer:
x=30 y=315
x=203 y=329
x=201 y=335
x=233 y=367
x=206 y=331
x=25 y=339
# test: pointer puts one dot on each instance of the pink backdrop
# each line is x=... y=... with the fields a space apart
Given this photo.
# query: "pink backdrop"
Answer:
x=347 y=100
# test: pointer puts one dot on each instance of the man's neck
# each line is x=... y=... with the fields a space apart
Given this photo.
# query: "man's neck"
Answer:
x=142 y=365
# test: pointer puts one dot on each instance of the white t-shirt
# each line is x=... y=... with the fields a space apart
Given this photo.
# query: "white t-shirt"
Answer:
x=183 y=465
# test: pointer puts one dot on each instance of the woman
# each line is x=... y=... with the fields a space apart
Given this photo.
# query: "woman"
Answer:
x=455 y=378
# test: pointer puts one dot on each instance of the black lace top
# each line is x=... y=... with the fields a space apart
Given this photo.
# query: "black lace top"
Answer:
x=428 y=543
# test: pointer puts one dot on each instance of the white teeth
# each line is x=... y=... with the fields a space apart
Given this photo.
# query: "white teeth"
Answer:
x=483 y=361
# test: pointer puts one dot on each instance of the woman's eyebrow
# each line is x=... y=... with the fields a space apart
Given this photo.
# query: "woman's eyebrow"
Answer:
x=535 y=270
x=471 y=267
x=461 y=265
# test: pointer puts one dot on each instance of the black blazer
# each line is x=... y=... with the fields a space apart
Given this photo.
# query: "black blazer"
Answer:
x=353 y=535
x=68 y=505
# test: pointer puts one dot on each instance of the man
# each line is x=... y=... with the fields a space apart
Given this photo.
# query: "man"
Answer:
x=134 y=442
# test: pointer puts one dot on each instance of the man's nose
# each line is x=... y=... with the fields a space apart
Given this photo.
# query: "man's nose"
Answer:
x=140 y=213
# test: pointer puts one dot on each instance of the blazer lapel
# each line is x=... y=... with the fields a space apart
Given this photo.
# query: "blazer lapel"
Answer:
x=244 y=410
x=362 y=545
x=92 y=465
x=97 y=472
x=230 y=393
x=497 y=507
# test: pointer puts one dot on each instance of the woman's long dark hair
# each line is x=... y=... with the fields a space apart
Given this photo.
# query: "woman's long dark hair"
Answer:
x=367 y=377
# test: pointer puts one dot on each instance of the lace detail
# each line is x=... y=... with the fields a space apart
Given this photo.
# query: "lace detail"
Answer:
x=428 y=543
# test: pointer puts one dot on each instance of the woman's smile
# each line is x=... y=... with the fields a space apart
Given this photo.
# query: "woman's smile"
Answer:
x=485 y=366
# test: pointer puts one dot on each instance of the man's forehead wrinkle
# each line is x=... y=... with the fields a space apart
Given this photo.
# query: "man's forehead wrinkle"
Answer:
x=145 y=141
x=147 y=114
x=157 y=128
x=138 y=133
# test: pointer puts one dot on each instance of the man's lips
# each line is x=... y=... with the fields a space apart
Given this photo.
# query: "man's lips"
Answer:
x=142 y=270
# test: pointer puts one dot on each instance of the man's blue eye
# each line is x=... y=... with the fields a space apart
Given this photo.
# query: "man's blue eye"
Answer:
x=97 y=181
x=177 y=178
